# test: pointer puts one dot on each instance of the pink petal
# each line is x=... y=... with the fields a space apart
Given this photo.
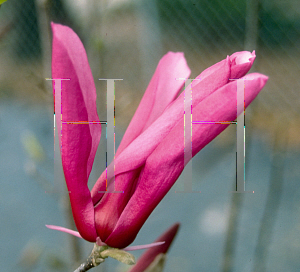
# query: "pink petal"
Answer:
x=72 y=232
x=148 y=257
x=241 y=63
x=161 y=91
x=215 y=70
x=166 y=163
x=111 y=206
x=132 y=248
x=79 y=142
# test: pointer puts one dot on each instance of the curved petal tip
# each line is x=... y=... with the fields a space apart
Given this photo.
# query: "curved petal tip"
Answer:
x=72 y=232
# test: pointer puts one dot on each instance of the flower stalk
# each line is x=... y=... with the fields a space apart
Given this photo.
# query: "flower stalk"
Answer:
x=92 y=261
x=100 y=253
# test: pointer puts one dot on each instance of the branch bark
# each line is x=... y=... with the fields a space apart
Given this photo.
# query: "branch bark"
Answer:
x=87 y=265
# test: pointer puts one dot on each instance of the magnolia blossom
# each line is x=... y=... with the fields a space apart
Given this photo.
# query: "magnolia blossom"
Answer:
x=150 y=157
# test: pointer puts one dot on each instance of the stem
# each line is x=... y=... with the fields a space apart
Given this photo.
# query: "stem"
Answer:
x=88 y=264
x=93 y=260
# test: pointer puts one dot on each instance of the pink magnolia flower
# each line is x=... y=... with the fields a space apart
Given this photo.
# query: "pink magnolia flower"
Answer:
x=150 y=157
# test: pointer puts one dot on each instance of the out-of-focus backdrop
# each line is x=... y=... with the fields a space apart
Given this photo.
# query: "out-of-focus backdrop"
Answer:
x=125 y=39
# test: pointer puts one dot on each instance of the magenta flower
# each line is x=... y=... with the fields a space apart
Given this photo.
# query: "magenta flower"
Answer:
x=150 y=157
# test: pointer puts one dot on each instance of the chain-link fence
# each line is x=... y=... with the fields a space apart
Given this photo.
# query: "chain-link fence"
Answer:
x=136 y=34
